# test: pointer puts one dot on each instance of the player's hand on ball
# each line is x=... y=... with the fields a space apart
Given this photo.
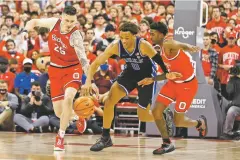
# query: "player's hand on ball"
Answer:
x=173 y=75
x=145 y=81
x=86 y=89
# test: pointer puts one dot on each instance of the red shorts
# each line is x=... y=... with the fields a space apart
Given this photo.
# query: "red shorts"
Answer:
x=182 y=93
x=62 y=78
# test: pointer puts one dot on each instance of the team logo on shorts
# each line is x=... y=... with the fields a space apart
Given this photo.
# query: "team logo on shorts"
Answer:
x=76 y=76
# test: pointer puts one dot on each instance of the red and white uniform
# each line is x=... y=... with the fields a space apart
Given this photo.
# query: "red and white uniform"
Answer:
x=181 y=90
x=65 y=69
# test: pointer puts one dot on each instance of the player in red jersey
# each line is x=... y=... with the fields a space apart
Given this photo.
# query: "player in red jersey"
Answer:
x=181 y=90
x=65 y=71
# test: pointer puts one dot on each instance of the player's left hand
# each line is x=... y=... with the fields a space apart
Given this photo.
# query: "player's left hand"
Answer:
x=145 y=81
x=173 y=75
x=193 y=49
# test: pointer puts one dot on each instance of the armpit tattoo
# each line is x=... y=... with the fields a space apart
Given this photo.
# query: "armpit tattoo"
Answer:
x=76 y=41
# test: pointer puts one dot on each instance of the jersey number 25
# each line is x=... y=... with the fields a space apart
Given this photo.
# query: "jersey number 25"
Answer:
x=59 y=49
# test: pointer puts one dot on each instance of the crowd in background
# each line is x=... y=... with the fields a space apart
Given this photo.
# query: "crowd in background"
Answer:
x=24 y=86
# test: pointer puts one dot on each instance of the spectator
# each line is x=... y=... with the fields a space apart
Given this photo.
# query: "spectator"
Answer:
x=209 y=59
x=109 y=36
x=13 y=65
x=144 y=30
x=22 y=83
x=8 y=104
x=12 y=53
x=89 y=23
x=228 y=55
x=103 y=78
x=6 y=75
x=215 y=42
x=233 y=109
x=91 y=57
x=21 y=45
x=148 y=9
x=4 y=32
x=41 y=42
x=35 y=110
x=9 y=20
x=5 y=10
x=216 y=24
x=99 y=23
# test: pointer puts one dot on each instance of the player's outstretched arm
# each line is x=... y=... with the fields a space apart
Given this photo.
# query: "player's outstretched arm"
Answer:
x=170 y=76
x=174 y=46
x=101 y=59
x=45 y=22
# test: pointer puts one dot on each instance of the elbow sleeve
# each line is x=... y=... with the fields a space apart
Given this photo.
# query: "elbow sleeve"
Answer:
x=158 y=59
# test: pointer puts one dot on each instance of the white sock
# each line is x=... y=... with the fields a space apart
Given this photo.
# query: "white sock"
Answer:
x=61 y=133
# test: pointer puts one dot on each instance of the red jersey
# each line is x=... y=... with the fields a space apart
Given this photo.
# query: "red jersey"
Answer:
x=228 y=55
x=9 y=77
x=217 y=26
x=91 y=57
x=181 y=63
x=206 y=63
x=20 y=57
x=61 y=52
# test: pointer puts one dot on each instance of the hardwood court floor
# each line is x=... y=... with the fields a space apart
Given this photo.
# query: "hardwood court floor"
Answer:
x=22 y=146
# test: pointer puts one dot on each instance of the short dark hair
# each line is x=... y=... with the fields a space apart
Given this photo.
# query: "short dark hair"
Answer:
x=34 y=14
x=206 y=34
x=160 y=27
x=9 y=17
x=214 y=33
x=10 y=40
x=149 y=19
x=35 y=83
x=129 y=27
x=216 y=7
x=70 y=10
x=43 y=30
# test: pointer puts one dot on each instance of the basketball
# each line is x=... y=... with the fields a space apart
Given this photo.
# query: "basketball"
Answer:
x=84 y=107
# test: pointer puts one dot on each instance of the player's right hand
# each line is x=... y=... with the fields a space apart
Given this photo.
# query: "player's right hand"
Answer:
x=145 y=81
x=86 y=89
x=173 y=75
x=193 y=49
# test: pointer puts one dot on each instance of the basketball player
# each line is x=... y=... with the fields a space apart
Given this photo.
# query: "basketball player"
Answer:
x=65 y=71
x=138 y=55
x=181 y=90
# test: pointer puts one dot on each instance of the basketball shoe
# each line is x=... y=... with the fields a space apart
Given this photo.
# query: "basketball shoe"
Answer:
x=165 y=148
x=81 y=125
x=59 y=144
x=202 y=131
x=102 y=143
